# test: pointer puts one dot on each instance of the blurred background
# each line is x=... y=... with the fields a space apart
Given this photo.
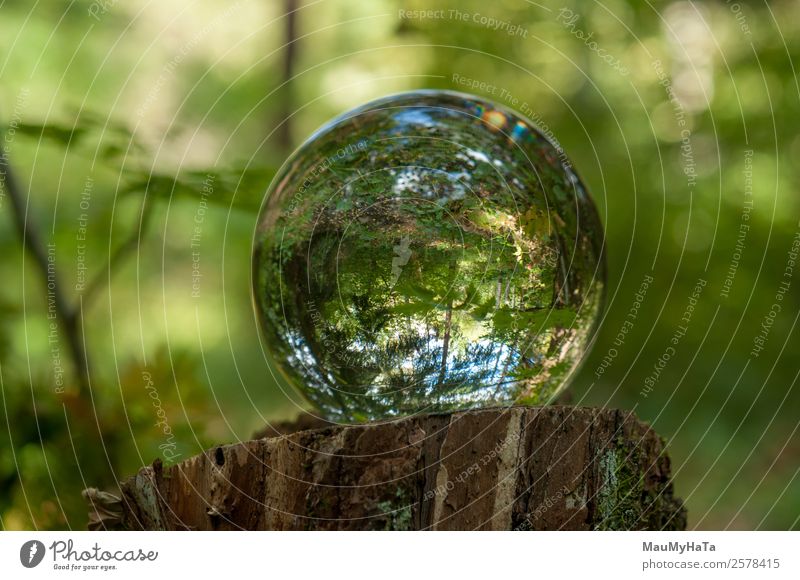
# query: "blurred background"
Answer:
x=140 y=137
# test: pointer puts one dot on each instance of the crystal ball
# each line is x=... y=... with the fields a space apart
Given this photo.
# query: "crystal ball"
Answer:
x=429 y=251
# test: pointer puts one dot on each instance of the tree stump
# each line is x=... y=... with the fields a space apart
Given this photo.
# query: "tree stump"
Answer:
x=518 y=468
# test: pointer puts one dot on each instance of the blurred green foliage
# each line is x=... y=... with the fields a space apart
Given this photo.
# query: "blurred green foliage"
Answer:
x=107 y=104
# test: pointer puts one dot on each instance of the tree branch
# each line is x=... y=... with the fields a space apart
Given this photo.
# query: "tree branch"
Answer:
x=126 y=248
x=44 y=261
x=289 y=56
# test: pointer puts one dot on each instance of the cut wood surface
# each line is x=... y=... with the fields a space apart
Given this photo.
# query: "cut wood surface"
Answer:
x=518 y=468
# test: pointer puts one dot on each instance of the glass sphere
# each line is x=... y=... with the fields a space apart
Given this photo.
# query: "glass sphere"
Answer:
x=429 y=251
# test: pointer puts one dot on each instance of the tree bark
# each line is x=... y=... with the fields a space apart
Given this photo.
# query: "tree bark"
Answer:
x=518 y=468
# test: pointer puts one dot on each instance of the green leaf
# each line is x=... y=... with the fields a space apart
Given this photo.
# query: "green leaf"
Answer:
x=412 y=308
x=242 y=189
x=60 y=134
x=506 y=319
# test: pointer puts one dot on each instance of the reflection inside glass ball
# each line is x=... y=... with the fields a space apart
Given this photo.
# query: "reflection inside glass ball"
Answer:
x=428 y=251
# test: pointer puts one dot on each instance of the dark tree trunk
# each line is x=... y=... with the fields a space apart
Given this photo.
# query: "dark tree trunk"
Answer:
x=543 y=468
